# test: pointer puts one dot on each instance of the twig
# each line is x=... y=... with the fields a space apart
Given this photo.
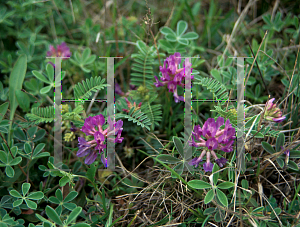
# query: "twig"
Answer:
x=258 y=68
x=91 y=103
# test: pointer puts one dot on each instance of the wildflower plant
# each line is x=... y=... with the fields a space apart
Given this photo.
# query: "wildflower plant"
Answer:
x=158 y=149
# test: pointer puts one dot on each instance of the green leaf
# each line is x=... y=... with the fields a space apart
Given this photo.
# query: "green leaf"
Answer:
x=9 y=171
x=23 y=100
x=81 y=225
x=183 y=41
x=3 y=157
x=165 y=44
x=216 y=74
x=14 y=150
x=3 y=109
x=72 y=195
x=74 y=214
x=16 y=79
x=280 y=162
x=63 y=181
x=168 y=159
x=90 y=174
x=46 y=89
x=268 y=147
x=25 y=188
x=50 y=72
x=294 y=154
x=178 y=169
x=38 y=149
x=280 y=142
x=171 y=38
x=27 y=148
x=178 y=145
x=168 y=31
x=53 y=199
x=181 y=27
x=293 y=165
x=199 y=184
x=190 y=36
x=51 y=213
x=32 y=205
x=277 y=211
x=40 y=77
x=35 y=195
x=19 y=134
x=69 y=206
x=258 y=209
x=222 y=197
x=225 y=185
x=17 y=202
x=59 y=195
x=15 y=161
x=216 y=175
x=15 y=194
x=209 y=196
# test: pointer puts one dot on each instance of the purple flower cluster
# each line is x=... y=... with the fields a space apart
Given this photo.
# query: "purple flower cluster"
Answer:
x=172 y=75
x=93 y=127
x=216 y=139
x=61 y=50
x=273 y=113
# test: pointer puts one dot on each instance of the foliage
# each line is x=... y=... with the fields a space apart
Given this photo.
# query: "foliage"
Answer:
x=153 y=182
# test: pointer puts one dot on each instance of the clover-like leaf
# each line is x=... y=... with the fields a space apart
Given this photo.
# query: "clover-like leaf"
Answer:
x=178 y=145
x=51 y=213
x=181 y=27
x=168 y=159
x=25 y=188
x=222 y=197
x=209 y=196
x=199 y=184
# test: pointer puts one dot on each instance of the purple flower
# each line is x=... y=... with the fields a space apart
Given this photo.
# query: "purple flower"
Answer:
x=61 y=50
x=273 y=113
x=211 y=137
x=84 y=147
x=195 y=161
x=93 y=126
x=172 y=75
x=104 y=160
x=208 y=166
x=287 y=153
x=73 y=127
x=118 y=89
x=221 y=161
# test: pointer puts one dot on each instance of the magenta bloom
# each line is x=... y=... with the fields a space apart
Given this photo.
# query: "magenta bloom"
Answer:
x=61 y=50
x=93 y=127
x=273 y=113
x=172 y=75
x=211 y=137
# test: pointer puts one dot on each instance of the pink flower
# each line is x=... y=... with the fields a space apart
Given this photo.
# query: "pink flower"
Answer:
x=172 y=75
x=93 y=127
x=61 y=50
x=211 y=137
x=273 y=113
